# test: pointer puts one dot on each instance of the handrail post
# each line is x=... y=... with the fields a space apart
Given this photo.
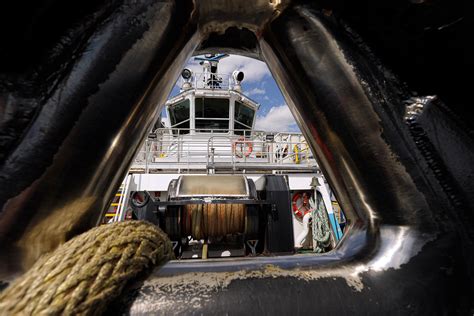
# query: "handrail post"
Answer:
x=146 y=155
x=179 y=147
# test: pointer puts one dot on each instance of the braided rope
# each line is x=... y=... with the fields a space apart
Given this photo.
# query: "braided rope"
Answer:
x=321 y=230
x=83 y=275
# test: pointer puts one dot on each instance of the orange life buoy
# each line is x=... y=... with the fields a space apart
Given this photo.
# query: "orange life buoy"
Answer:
x=245 y=146
x=303 y=208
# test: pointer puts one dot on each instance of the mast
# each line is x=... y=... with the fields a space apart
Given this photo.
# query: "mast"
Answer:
x=210 y=63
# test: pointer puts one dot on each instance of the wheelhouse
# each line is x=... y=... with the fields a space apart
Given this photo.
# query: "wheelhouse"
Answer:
x=202 y=107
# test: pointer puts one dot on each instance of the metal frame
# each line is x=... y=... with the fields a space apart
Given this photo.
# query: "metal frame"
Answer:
x=203 y=148
x=211 y=201
x=178 y=186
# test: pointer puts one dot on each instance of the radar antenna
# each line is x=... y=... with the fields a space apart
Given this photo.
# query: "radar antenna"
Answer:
x=210 y=63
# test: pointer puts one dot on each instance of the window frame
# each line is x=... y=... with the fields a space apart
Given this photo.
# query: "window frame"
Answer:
x=228 y=118
x=239 y=103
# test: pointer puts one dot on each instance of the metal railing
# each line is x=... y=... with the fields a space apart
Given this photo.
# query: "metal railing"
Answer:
x=209 y=80
x=186 y=149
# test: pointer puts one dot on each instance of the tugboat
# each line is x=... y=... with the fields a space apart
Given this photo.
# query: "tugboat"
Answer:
x=220 y=188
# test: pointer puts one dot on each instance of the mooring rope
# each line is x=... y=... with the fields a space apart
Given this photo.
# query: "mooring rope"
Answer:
x=320 y=223
x=86 y=273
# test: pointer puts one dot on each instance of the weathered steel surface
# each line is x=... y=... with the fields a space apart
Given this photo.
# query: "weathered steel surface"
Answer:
x=92 y=115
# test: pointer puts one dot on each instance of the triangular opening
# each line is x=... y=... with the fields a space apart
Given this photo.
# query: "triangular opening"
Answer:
x=225 y=170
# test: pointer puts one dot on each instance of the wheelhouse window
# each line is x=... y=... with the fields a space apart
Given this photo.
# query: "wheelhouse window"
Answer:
x=212 y=114
x=243 y=118
x=179 y=116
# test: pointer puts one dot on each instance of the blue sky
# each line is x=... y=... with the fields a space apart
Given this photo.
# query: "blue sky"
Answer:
x=259 y=85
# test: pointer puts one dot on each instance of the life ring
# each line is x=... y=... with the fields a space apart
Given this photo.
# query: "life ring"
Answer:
x=302 y=208
x=245 y=146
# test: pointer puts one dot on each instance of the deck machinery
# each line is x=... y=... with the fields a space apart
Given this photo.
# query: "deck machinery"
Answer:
x=208 y=216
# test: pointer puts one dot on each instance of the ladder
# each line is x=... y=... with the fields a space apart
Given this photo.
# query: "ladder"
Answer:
x=116 y=210
x=113 y=209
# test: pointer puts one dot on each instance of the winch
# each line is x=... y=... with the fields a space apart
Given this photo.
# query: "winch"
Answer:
x=221 y=215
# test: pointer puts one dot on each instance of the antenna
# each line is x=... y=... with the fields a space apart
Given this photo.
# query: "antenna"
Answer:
x=209 y=63
x=212 y=60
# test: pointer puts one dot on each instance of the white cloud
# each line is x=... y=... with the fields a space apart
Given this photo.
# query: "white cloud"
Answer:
x=254 y=70
x=279 y=118
x=255 y=91
x=193 y=65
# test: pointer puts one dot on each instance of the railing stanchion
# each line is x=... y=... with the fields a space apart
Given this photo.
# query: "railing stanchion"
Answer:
x=211 y=146
x=146 y=155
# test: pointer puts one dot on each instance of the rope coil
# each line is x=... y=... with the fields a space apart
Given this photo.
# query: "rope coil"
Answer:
x=212 y=220
x=86 y=273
